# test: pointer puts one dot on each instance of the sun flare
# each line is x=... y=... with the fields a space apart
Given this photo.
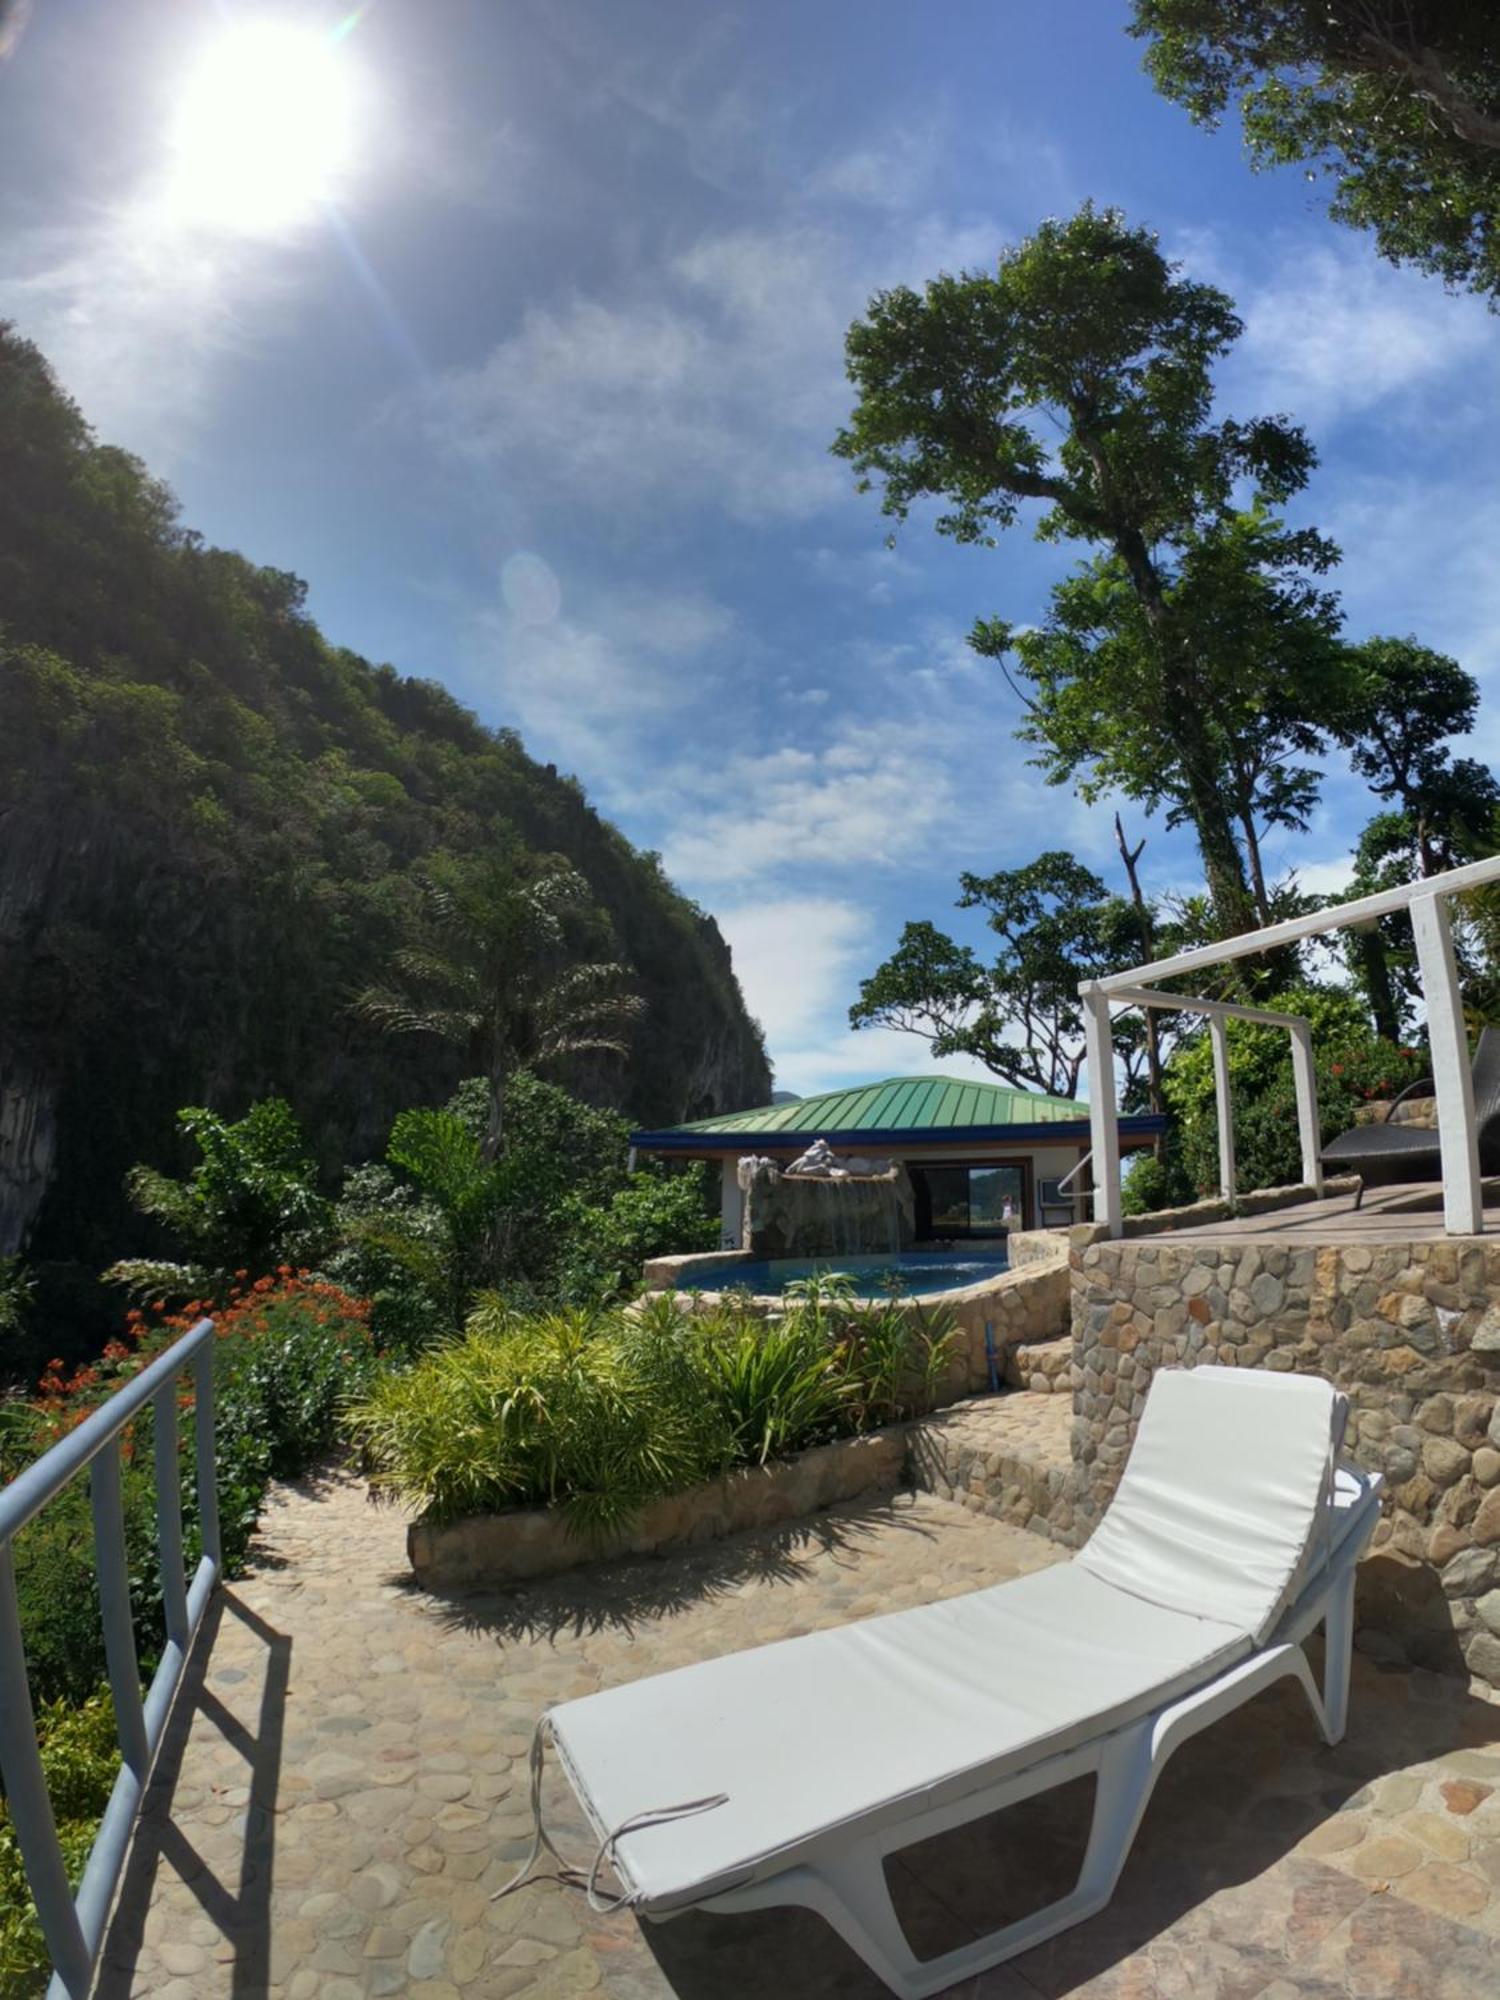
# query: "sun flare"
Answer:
x=262 y=131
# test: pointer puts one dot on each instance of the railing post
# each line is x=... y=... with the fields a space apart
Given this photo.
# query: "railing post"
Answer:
x=169 y=1512
x=1104 y=1124
x=112 y=1562
x=30 y=1807
x=1452 y=1074
x=203 y=1437
x=1223 y=1105
x=1309 y=1126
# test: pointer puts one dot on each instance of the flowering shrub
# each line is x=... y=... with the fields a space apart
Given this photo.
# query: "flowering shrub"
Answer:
x=290 y=1351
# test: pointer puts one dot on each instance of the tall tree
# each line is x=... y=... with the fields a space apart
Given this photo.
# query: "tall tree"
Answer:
x=1257 y=658
x=1397 y=101
x=1405 y=705
x=1019 y=1015
x=1079 y=377
x=495 y=961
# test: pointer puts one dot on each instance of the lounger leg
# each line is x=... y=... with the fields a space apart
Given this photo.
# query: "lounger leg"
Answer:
x=849 y=1892
x=1338 y=1643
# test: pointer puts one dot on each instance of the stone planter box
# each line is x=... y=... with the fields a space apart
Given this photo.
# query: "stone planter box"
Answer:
x=490 y=1549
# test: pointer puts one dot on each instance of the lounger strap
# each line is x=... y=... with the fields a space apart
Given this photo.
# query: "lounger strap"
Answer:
x=587 y=1879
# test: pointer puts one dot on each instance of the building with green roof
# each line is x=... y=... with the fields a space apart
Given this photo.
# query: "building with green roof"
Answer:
x=983 y=1157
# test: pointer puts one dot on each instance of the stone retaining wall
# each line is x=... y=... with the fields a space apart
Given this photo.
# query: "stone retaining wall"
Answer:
x=1007 y=1456
x=1027 y=1305
x=1411 y=1331
x=488 y=1549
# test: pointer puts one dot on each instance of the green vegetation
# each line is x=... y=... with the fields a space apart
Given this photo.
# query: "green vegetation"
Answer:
x=1398 y=101
x=222 y=829
x=599 y=1412
x=1193 y=661
x=1019 y=1014
x=1176 y=662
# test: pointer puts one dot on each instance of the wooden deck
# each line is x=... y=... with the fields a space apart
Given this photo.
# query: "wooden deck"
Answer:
x=1406 y=1213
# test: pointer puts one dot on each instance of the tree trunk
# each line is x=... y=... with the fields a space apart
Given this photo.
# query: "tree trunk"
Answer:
x=493 y=1143
x=1257 y=873
x=1130 y=856
x=1375 y=973
x=1223 y=864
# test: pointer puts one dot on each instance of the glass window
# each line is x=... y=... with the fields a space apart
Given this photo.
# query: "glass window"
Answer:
x=976 y=1201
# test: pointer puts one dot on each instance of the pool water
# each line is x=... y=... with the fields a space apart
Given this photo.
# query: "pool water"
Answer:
x=916 y=1271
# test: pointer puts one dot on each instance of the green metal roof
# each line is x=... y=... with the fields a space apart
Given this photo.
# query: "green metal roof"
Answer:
x=913 y=1105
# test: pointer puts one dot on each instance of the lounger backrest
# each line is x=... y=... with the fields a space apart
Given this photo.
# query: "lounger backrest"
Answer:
x=1219 y=1507
x=1487 y=1077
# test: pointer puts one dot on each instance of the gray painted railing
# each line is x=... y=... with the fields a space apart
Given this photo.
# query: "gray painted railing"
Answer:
x=74 y=1930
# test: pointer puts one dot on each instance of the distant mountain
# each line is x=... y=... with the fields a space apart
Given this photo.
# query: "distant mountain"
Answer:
x=211 y=820
x=786 y=1097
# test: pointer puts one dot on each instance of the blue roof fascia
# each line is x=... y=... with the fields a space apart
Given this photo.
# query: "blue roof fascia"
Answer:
x=1141 y=1125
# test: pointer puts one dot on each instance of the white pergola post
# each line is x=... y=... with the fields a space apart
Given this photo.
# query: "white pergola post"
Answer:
x=1309 y=1126
x=1223 y=1105
x=1104 y=1123
x=1452 y=1075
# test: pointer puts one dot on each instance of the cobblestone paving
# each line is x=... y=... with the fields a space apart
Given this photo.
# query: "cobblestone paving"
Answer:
x=348 y=1778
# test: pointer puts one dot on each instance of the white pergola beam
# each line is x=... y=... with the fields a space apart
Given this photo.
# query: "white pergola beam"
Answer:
x=1315 y=924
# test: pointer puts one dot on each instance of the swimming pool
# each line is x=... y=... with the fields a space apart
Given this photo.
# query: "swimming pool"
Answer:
x=915 y=1271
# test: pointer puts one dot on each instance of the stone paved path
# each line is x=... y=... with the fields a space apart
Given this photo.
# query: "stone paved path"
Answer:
x=349 y=1771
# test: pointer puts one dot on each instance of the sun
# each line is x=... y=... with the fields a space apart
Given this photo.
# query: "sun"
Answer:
x=262 y=131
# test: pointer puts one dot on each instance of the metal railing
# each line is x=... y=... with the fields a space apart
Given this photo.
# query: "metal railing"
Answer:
x=74 y=1929
x=1453 y=1084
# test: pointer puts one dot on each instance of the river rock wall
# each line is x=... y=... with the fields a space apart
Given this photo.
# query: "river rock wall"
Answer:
x=1411 y=1331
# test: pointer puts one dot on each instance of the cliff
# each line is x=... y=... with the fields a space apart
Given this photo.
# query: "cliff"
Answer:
x=210 y=823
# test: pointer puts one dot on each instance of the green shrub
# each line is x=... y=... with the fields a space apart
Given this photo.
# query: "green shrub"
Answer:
x=894 y=1359
x=598 y=1412
x=778 y=1387
x=251 y=1203
x=656 y=1214
x=591 y=1413
x=392 y=1245
x=291 y=1352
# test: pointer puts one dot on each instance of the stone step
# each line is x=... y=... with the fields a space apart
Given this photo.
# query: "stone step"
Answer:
x=1008 y=1455
x=1045 y=1367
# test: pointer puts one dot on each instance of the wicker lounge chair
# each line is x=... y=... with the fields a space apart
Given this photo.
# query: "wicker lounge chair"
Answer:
x=1385 y=1153
x=788 y=1773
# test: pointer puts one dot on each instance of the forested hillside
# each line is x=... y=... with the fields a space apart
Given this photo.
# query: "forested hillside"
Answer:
x=212 y=823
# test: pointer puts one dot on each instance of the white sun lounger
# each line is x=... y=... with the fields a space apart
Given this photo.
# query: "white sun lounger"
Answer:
x=787 y=1774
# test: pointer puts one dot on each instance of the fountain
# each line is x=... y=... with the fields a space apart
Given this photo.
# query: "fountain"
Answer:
x=826 y=1206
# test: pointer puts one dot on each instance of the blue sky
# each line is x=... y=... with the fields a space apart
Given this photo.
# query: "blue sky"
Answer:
x=539 y=403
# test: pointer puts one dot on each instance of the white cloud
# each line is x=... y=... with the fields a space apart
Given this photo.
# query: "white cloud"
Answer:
x=865 y=1056
x=1335 y=332
x=594 y=693
x=135 y=315
x=865 y=798
x=709 y=387
x=797 y=959
x=717 y=378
